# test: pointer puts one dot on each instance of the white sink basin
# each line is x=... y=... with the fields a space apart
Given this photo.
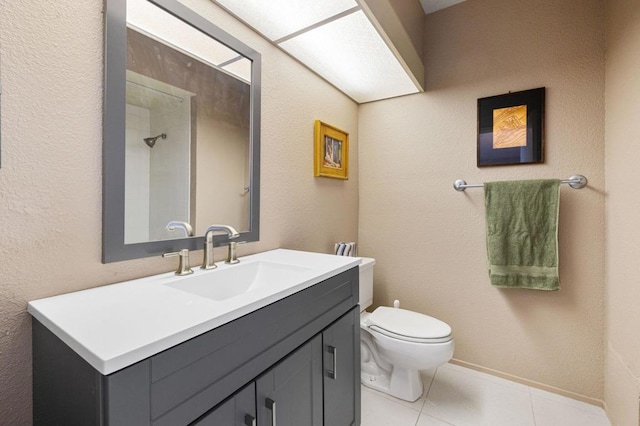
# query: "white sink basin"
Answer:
x=117 y=325
x=235 y=280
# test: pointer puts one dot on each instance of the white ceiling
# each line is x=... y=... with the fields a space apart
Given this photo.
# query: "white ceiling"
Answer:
x=431 y=6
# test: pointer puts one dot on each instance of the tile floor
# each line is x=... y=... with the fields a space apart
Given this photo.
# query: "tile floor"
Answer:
x=458 y=396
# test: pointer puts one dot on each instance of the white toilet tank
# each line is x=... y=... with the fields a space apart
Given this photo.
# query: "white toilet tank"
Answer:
x=366 y=282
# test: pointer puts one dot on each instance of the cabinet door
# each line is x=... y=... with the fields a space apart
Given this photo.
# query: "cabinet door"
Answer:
x=290 y=393
x=341 y=360
x=239 y=410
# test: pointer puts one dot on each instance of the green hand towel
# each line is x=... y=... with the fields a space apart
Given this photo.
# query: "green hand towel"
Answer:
x=522 y=233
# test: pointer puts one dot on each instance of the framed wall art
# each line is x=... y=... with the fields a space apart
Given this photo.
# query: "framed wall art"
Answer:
x=511 y=128
x=331 y=152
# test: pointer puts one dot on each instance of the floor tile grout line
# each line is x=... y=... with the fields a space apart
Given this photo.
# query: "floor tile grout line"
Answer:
x=533 y=412
x=528 y=393
x=426 y=396
x=434 y=417
x=542 y=393
x=433 y=379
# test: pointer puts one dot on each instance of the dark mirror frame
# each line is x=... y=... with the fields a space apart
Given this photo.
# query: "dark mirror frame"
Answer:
x=113 y=247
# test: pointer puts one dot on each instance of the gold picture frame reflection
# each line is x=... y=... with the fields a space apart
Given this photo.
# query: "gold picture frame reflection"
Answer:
x=331 y=151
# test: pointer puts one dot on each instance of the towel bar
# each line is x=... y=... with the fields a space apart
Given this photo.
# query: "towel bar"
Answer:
x=575 y=181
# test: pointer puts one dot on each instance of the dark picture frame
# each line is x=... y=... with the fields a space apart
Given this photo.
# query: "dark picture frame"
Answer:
x=511 y=128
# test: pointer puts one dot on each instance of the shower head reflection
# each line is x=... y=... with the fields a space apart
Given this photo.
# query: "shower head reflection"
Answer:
x=152 y=141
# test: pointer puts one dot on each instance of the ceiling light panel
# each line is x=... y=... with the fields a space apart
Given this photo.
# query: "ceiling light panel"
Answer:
x=172 y=31
x=276 y=19
x=351 y=55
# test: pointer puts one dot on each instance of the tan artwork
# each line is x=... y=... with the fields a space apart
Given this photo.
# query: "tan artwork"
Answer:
x=510 y=127
x=332 y=153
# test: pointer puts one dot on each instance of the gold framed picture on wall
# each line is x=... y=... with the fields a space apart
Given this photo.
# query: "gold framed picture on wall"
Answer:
x=331 y=151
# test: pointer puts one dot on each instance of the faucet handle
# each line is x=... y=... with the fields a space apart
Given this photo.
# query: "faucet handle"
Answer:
x=232 y=256
x=183 y=265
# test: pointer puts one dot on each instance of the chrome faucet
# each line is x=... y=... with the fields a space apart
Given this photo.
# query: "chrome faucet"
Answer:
x=207 y=260
x=171 y=226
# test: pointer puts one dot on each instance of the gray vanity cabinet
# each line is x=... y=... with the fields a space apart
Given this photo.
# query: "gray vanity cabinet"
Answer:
x=341 y=349
x=290 y=393
x=304 y=389
x=278 y=358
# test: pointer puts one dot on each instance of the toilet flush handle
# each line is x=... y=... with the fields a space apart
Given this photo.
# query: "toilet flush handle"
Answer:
x=396 y=303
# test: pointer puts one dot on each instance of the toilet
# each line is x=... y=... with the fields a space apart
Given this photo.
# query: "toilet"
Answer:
x=395 y=343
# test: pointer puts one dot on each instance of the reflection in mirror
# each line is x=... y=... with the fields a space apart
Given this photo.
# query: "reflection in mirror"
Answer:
x=157 y=174
x=191 y=130
x=180 y=91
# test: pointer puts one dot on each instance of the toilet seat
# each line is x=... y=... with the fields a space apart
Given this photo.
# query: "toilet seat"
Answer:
x=408 y=326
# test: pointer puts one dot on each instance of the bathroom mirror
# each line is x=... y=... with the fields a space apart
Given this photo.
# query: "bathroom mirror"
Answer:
x=181 y=130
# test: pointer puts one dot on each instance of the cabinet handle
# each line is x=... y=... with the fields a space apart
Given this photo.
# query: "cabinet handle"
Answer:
x=333 y=374
x=271 y=405
x=249 y=420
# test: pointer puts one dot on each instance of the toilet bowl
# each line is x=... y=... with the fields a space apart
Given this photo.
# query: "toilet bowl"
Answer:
x=395 y=344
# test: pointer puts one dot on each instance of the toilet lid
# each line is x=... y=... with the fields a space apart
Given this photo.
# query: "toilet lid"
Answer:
x=409 y=325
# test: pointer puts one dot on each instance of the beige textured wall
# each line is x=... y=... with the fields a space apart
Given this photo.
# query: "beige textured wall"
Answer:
x=622 y=368
x=402 y=25
x=429 y=240
x=412 y=16
x=51 y=183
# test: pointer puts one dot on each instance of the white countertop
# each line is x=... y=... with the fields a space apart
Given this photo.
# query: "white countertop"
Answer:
x=117 y=325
